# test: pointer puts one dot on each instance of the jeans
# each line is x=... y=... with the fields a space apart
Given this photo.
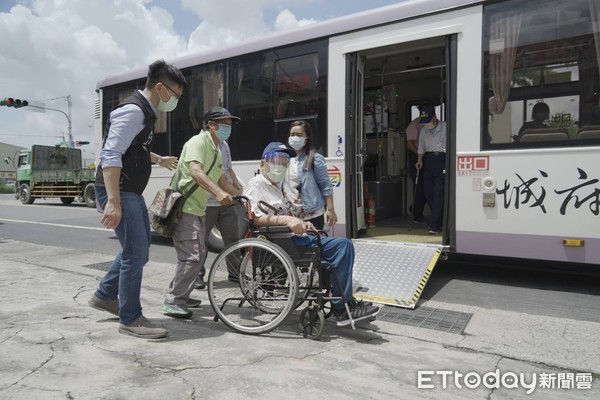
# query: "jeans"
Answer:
x=435 y=182
x=124 y=278
x=228 y=220
x=339 y=252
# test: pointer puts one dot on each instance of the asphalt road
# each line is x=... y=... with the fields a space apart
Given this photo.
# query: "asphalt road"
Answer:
x=505 y=287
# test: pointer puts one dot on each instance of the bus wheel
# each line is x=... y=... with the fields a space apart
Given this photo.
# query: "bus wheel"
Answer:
x=89 y=195
x=25 y=194
x=67 y=200
x=214 y=241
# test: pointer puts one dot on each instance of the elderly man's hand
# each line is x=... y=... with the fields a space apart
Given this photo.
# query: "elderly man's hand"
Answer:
x=296 y=225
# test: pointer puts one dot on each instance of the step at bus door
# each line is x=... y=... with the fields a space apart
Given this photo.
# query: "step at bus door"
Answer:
x=392 y=273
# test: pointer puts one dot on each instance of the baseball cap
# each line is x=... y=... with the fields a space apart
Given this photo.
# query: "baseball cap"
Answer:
x=277 y=147
x=217 y=113
x=427 y=114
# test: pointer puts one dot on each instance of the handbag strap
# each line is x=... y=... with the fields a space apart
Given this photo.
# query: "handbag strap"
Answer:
x=189 y=190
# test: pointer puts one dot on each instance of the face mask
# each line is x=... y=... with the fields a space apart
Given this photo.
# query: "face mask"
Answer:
x=169 y=105
x=223 y=132
x=296 y=142
x=276 y=173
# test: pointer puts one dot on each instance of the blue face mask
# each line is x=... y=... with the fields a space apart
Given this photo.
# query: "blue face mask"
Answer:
x=223 y=132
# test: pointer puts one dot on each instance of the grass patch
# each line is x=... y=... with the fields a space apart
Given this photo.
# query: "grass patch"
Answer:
x=7 y=188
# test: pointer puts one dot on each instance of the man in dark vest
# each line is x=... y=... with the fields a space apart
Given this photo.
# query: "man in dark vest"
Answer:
x=122 y=175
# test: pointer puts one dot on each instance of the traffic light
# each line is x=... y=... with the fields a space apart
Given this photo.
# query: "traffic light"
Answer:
x=16 y=103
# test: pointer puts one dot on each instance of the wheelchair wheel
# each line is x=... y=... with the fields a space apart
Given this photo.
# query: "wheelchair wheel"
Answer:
x=312 y=322
x=307 y=278
x=327 y=309
x=255 y=293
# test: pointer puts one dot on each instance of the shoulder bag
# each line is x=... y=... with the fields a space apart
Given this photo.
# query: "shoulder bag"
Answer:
x=167 y=206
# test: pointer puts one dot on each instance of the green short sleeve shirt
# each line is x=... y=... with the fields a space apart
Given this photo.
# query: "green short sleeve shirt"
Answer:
x=200 y=148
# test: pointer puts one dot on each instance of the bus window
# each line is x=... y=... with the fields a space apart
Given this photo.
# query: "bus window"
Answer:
x=205 y=89
x=296 y=86
x=541 y=73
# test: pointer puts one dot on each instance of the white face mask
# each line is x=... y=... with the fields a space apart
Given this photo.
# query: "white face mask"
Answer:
x=296 y=142
x=276 y=173
x=169 y=105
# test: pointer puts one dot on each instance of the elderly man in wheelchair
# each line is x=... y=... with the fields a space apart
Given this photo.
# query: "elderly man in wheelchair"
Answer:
x=295 y=266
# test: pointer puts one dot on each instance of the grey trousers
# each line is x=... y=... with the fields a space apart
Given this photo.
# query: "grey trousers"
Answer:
x=227 y=219
x=190 y=246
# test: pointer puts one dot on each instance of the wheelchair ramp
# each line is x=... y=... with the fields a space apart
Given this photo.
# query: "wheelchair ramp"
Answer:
x=392 y=273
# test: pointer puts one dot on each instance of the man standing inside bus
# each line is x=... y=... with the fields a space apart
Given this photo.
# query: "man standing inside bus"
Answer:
x=432 y=152
x=412 y=143
x=122 y=175
x=201 y=162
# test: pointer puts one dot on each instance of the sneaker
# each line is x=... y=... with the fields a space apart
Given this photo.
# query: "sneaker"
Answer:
x=358 y=312
x=111 y=306
x=433 y=231
x=360 y=303
x=200 y=284
x=143 y=328
x=176 y=310
x=192 y=303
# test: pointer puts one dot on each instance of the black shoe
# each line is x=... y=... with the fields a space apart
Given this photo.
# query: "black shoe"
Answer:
x=358 y=312
x=200 y=284
x=420 y=219
x=360 y=303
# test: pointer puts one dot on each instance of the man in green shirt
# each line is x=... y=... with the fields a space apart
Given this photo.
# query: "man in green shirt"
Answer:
x=201 y=162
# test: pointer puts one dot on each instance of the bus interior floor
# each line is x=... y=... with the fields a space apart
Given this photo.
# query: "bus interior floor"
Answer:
x=400 y=229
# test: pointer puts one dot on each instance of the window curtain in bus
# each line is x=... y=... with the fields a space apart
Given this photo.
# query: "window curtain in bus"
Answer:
x=239 y=74
x=595 y=15
x=504 y=37
x=213 y=89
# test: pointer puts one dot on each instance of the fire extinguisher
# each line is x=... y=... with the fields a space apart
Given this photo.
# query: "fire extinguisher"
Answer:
x=371 y=212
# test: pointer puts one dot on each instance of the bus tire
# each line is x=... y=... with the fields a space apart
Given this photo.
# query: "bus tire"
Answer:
x=214 y=241
x=67 y=200
x=25 y=194
x=89 y=195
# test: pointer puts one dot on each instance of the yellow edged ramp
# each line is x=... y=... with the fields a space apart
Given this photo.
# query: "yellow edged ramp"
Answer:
x=392 y=273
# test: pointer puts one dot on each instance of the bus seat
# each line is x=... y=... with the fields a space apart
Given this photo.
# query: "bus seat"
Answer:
x=589 y=132
x=544 y=135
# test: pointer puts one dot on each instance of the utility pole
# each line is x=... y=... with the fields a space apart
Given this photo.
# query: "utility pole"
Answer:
x=68 y=116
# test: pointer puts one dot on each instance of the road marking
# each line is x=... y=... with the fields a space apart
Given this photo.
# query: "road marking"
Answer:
x=18 y=221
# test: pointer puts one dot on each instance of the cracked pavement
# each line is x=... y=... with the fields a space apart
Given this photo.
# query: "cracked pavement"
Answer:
x=54 y=346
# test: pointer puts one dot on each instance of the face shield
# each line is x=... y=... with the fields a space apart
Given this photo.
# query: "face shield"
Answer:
x=276 y=165
x=277 y=158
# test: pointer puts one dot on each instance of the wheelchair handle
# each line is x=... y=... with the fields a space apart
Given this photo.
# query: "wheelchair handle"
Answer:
x=262 y=204
x=241 y=198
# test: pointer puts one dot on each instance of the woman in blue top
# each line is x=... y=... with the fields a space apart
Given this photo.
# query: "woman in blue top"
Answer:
x=307 y=185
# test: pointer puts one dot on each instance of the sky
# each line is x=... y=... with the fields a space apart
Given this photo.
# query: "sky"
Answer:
x=51 y=49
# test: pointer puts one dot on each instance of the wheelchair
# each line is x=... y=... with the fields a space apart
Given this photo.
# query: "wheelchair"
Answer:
x=256 y=283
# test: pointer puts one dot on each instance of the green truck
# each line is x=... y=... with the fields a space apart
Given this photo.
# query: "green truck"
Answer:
x=54 y=171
